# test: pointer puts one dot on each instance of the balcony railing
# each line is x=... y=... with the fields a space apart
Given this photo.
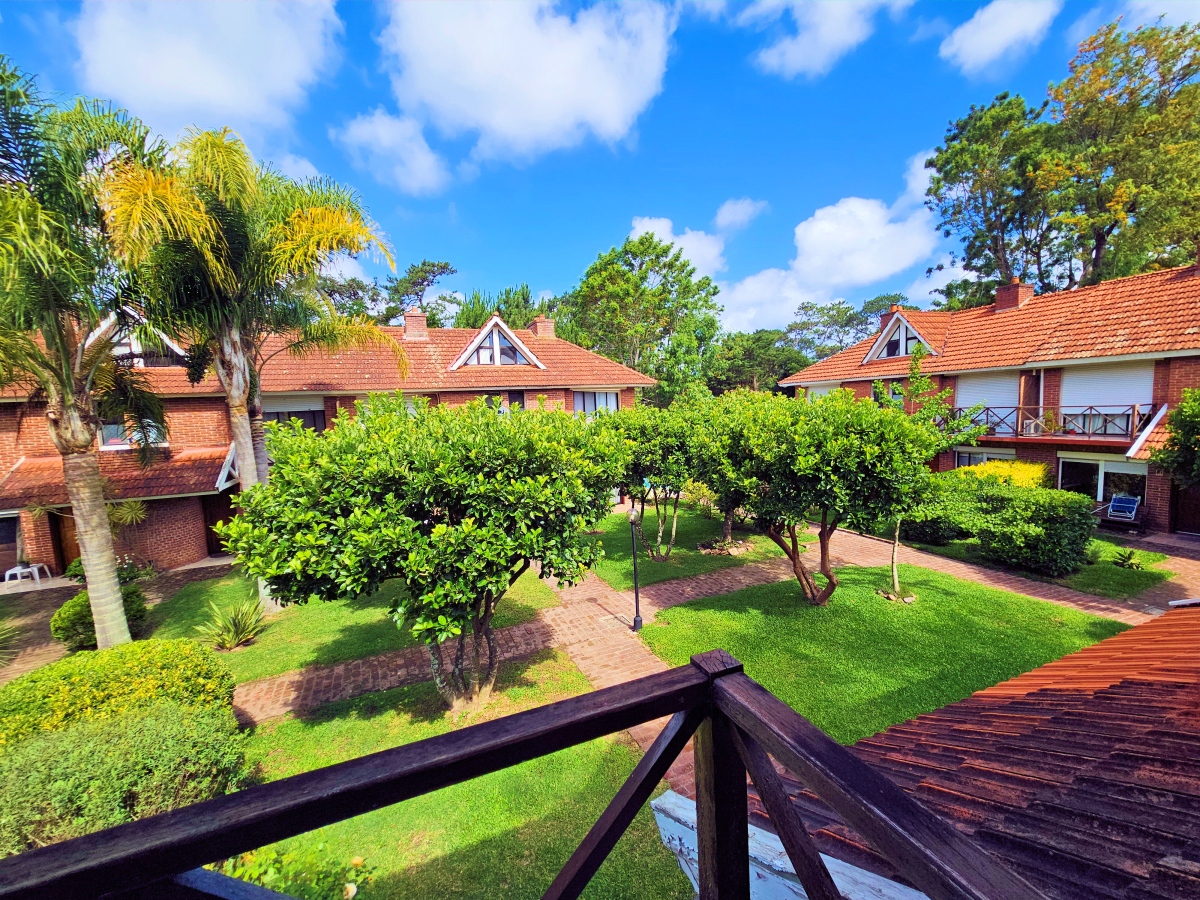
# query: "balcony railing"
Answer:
x=1112 y=422
x=735 y=722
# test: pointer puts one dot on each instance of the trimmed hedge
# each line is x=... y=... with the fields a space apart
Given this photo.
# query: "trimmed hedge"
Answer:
x=99 y=774
x=1039 y=530
x=1009 y=471
x=103 y=684
x=72 y=623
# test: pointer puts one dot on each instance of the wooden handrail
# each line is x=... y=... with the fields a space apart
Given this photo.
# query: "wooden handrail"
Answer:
x=736 y=723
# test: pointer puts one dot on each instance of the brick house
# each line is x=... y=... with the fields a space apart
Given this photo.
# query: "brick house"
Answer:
x=1080 y=380
x=188 y=487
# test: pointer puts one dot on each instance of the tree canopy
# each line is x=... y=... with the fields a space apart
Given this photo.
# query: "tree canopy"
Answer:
x=1180 y=455
x=641 y=304
x=515 y=305
x=407 y=292
x=455 y=502
x=757 y=360
x=823 y=329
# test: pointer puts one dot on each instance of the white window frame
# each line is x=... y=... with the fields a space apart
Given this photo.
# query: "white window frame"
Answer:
x=1107 y=463
x=487 y=333
x=989 y=454
x=615 y=396
x=125 y=444
x=907 y=339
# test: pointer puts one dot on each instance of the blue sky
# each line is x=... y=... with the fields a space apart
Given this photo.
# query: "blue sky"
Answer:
x=779 y=141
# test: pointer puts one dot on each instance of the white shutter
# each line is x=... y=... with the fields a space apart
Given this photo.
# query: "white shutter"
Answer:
x=995 y=389
x=1112 y=384
x=820 y=390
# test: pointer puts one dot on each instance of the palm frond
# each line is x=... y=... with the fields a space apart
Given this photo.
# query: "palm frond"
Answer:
x=312 y=236
x=220 y=161
x=123 y=392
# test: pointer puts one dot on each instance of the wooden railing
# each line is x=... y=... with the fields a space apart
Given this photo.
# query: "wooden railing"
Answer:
x=736 y=723
x=1118 y=422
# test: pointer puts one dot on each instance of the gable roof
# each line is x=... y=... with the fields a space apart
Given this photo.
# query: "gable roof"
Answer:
x=565 y=365
x=899 y=318
x=495 y=323
x=1155 y=313
x=1079 y=775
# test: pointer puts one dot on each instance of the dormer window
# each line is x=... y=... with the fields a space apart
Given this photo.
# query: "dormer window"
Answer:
x=901 y=342
x=496 y=345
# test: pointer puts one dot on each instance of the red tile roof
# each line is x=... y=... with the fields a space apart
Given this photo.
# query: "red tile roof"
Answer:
x=1081 y=775
x=38 y=481
x=1145 y=314
x=362 y=371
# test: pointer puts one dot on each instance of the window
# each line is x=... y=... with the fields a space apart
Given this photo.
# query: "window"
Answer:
x=516 y=399
x=900 y=343
x=115 y=434
x=1124 y=484
x=311 y=418
x=1080 y=477
x=496 y=350
x=976 y=456
x=1103 y=478
x=588 y=402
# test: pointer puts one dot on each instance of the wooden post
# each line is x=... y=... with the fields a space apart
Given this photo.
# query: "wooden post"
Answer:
x=722 y=827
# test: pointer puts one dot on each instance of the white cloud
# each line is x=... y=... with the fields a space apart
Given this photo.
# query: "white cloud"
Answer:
x=394 y=150
x=852 y=243
x=735 y=214
x=245 y=64
x=916 y=178
x=825 y=32
x=705 y=251
x=1003 y=28
x=343 y=266
x=297 y=167
x=1176 y=12
x=923 y=286
x=524 y=77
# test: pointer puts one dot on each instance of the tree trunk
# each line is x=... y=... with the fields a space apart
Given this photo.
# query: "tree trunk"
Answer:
x=727 y=527
x=791 y=549
x=85 y=488
x=828 y=527
x=261 y=463
x=233 y=371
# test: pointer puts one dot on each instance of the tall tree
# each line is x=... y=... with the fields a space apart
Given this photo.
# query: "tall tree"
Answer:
x=823 y=329
x=64 y=302
x=642 y=305
x=1180 y=455
x=756 y=360
x=984 y=191
x=515 y=305
x=1125 y=175
x=224 y=244
x=408 y=291
x=352 y=296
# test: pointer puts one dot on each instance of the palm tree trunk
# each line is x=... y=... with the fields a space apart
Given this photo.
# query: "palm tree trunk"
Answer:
x=259 y=436
x=233 y=371
x=85 y=488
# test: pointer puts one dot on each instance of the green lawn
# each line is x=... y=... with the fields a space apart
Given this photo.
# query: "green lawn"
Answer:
x=317 y=633
x=863 y=662
x=1099 y=577
x=502 y=835
x=617 y=566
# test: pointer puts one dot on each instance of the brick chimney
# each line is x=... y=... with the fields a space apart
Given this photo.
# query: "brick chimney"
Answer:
x=415 y=328
x=886 y=318
x=1013 y=295
x=542 y=327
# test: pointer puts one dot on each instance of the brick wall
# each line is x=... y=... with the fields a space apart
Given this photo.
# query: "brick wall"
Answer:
x=173 y=533
x=197 y=422
x=1162 y=382
x=861 y=388
x=37 y=539
x=1185 y=375
x=23 y=432
x=943 y=462
x=1051 y=388
x=1158 y=500
x=628 y=397
x=334 y=406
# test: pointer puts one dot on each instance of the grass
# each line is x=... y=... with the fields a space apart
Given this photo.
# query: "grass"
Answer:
x=1099 y=577
x=317 y=633
x=863 y=663
x=501 y=835
x=617 y=566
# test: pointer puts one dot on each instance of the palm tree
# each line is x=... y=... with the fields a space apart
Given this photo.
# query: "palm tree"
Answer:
x=231 y=251
x=64 y=302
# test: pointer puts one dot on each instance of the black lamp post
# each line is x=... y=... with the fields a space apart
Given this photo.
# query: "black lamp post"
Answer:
x=637 y=601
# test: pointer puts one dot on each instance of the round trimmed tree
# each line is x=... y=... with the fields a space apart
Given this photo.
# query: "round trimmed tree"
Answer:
x=456 y=503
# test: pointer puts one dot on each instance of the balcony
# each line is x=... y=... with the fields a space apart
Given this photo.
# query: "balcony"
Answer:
x=1101 y=423
x=736 y=725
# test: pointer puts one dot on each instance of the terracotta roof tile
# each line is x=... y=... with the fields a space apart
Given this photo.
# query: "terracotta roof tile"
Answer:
x=39 y=480
x=1080 y=775
x=1154 y=313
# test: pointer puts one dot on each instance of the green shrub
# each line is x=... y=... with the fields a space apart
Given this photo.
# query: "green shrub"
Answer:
x=232 y=626
x=935 y=526
x=307 y=872
x=1009 y=471
x=72 y=623
x=128 y=571
x=1127 y=559
x=106 y=683
x=1036 y=529
x=99 y=774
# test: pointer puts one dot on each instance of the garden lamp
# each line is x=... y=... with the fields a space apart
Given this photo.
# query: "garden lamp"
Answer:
x=637 y=603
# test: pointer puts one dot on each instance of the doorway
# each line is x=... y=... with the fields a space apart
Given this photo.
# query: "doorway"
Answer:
x=64 y=538
x=217 y=508
x=1187 y=510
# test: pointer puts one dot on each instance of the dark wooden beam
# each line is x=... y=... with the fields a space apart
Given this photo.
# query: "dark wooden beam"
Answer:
x=722 y=826
x=636 y=790
x=806 y=859
x=937 y=859
x=143 y=852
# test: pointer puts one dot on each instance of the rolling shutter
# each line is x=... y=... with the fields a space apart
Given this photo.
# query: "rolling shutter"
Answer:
x=994 y=389
x=1114 y=384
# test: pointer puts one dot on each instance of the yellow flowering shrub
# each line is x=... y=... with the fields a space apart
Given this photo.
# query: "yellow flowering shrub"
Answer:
x=102 y=684
x=1010 y=471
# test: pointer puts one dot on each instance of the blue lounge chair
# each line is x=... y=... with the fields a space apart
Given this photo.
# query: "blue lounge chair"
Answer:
x=1124 y=508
